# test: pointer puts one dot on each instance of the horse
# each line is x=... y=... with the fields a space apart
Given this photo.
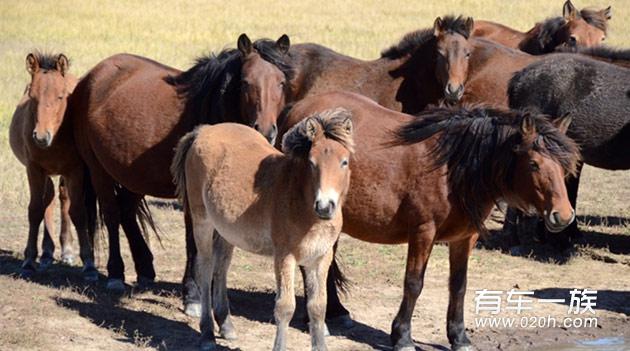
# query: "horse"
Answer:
x=595 y=94
x=584 y=28
x=129 y=112
x=41 y=139
x=286 y=205
x=426 y=67
x=436 y=176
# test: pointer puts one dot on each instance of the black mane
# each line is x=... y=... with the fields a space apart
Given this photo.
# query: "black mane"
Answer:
x=411 y=41
x=543 y=36
x=601 y=51
x=478 y=146
x=47 y=61
x=212 y=86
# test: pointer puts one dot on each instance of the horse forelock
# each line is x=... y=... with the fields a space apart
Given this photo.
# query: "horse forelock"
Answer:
x=46 y=60
x=477 y=146
x=412 y=41
x=331 y=124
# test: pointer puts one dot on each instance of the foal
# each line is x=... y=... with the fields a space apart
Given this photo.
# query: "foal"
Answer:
x=42 y=140
x=232 y=180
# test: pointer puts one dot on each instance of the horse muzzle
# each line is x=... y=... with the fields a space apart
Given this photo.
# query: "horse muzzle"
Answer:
x=325 y=209
x=452 y=94
x=555 y=224
x=42 y=142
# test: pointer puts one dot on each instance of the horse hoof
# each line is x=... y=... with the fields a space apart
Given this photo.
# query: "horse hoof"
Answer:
x=463 y=348
x=115 y=285
x=90 y=275
x=208 y=346
x=405 y=348
x=193 y=309
x=341 y=322
x=27 y=272
x=228 y=333
x=326 y=331
x=45 y=263
x=67 y=259
x=144 y=282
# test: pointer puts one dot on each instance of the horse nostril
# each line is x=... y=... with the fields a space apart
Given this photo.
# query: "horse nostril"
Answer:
x=274 y=128
x=449 y=88
x=257 y=127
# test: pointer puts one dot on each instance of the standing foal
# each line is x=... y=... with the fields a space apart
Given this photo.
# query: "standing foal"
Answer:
x=288 y=206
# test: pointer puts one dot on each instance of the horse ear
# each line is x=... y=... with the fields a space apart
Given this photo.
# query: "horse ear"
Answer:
x=311 y=127
x=569 y=12
x=62 y=64
x=563 y=123
x=347 y=125
x=32 y=66
x=470 y=23
x=283 y=43
x=437 y=26
x=244 y=44
x=528 y=127
x=607 y=12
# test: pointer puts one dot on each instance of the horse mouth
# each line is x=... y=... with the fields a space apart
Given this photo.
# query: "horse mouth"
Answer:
x=558 y=227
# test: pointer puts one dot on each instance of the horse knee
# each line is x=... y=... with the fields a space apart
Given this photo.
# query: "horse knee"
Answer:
x=283 y=310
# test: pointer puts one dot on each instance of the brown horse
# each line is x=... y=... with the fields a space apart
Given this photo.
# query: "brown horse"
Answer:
x=574 y=29
x=42 y=140
x=438 y=181
x=288 y=206
x=426 y=67
x=129 y=112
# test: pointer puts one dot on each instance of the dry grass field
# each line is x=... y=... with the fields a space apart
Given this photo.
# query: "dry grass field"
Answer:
x=57 y=311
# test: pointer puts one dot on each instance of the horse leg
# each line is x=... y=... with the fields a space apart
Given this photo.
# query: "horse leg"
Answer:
x=140 y=251
x=65 y=237
x=36 y=207
x=74 y=184
x=336 y=314
x=419 y=250
x=315 y=281
x=285 y=298
x=203 y=240
x=190 y=289
x=458 y=261
x=222 y=258
x=48 y=245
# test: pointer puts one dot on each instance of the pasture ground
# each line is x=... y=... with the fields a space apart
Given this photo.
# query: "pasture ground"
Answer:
x=57 y=311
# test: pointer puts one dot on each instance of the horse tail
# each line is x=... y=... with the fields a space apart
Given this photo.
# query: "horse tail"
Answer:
x=178 y=167
x=94 y=221
x=341 y=281
x=145 y=219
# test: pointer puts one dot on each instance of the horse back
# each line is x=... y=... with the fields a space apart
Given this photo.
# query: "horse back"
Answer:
x=498 y=33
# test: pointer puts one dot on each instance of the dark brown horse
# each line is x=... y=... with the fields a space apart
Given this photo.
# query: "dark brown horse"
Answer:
x=437 y=177
x=427 y=66
x=584 y=28
x=41 y=138
x=129 y=112
x=594 y=93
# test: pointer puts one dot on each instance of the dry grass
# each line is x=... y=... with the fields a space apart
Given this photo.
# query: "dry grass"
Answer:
x=57 y=311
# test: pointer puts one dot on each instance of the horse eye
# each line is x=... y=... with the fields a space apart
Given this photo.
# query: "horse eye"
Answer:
x=603 y=38
x=60 y=97
x=344 y=163
x=572 y=40
x=533 y=166
x=468 y=55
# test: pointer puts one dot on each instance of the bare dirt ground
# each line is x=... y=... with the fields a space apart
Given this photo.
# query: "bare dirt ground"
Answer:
x=57 y=311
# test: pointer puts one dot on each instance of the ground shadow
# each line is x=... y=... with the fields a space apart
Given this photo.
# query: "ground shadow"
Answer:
x=258 y=306
x=610 y=300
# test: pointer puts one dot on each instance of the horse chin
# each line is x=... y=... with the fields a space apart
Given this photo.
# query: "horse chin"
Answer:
x=452 y=100
x=554 y=229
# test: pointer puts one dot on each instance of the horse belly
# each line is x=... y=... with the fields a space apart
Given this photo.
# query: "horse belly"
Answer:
x=244 y=235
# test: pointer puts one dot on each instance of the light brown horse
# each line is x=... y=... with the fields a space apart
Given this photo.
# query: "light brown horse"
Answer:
x=288 y=206
x=42 y=140
x=574 y=29
x=437 y=178
x=129 y=112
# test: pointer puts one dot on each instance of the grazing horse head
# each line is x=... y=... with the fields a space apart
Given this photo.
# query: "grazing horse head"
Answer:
x=453 y=52
x=540 y=170
x=264 y=85
x=323 y=144
x=49 y=90
x=585 y=28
